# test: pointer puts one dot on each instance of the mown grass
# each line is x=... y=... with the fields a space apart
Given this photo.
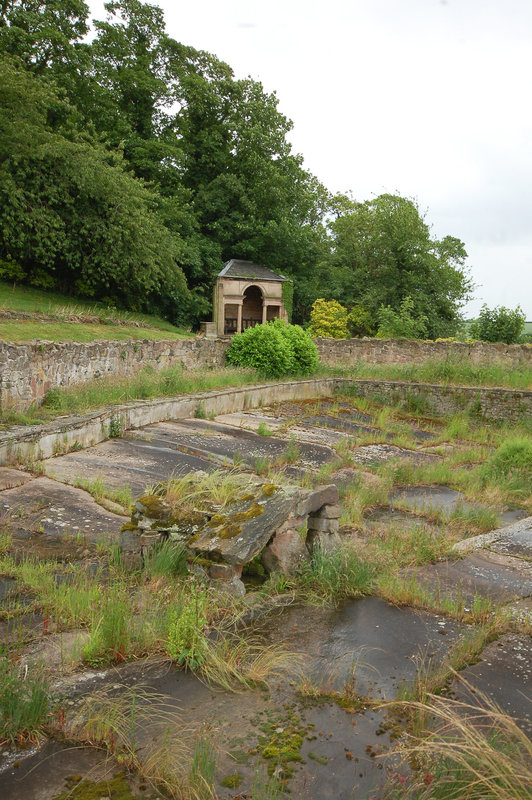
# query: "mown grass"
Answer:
x=38 y=301
x=25 y=330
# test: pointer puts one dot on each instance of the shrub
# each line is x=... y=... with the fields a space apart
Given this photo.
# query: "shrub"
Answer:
x=498 y=324
x=328 y=318
x=186 y=643
x=402 y=323
x=274 y=349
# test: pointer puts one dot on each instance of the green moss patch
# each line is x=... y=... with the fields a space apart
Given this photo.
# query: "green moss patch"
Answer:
x=115 y=789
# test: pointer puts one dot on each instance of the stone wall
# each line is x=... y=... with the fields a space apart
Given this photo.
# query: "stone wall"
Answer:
x=409 y=351
x=484 y=402
x=28 y=370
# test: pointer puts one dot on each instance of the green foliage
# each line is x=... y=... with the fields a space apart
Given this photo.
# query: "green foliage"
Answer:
x=288 y=298
x=499 y=324
x=383 y=253
x=112 y=632
x=168 y=560
x=334 y=575
x=186 y=644
x=274 y=350
x=511 y=466
x=328 y=318
x=402 y=323
x=361 y=322
x=24 y=701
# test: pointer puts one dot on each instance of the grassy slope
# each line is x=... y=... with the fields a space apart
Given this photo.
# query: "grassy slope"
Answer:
x=25 y=299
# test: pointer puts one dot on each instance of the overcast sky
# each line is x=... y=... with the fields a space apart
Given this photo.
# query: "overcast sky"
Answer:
x=430 y=99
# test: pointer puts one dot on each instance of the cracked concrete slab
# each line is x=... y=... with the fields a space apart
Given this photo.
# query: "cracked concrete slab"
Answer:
x=45 y=511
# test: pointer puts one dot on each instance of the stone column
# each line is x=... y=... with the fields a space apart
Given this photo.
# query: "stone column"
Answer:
x=264 y=312
x=239 y=318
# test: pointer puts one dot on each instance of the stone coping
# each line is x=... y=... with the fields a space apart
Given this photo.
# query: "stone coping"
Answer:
x=32 y=442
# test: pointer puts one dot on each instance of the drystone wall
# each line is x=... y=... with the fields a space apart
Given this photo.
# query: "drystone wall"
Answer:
x=28 y=371
x=409 y=351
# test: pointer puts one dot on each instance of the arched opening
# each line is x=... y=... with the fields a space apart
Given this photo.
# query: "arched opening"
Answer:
x=252 y=307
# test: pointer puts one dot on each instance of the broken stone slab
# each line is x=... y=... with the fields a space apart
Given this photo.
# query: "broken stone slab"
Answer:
x=515 y=540
x=248 y=529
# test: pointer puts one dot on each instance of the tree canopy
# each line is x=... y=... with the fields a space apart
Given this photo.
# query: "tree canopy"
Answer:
x=132 y=166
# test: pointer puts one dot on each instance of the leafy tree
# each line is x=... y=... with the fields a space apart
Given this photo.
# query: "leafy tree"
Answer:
x=383 y=253
x=402 y=323
x=361 y=322
x=328 y=318
x=499 y=324
x=71 y=217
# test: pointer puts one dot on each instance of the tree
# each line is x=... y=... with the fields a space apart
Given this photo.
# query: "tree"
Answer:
x=402 y=323
x=383 y=253
x=499 y=324
x=71 y=216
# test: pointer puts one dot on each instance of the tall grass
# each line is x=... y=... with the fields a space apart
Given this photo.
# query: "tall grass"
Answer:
x=143 y=385
x=332 y=576
x=446 y=371
x=470 y=752
x=24 y=701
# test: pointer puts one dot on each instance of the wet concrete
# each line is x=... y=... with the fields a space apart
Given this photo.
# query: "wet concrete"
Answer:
x=504 y=675
x=377 y=645
x=514 y=539
x=374 y=454
x=133 y=461
x=41 y=776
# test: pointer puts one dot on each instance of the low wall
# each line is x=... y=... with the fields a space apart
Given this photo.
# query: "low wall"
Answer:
x=485 y=402
x=409 y=351
x=29 y=443
x=28 y=370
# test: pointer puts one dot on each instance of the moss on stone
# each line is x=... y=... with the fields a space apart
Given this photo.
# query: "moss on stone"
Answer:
x=269 y=489
x=117 y=788
x=217 y=520
x=155 y=507
x=229 y=531
x=255 y=510
x=232 y=781
x=129 y=526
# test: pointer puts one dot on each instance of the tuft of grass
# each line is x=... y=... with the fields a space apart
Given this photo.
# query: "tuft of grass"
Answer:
x=24 y=702
x=469 y=752
x=332 y=576
x=101 y=492
x=263 y=430
x=168 y=560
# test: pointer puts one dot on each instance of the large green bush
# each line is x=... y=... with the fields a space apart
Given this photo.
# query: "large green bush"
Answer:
x=401 y=324
x=499 y=324
x=274 y=349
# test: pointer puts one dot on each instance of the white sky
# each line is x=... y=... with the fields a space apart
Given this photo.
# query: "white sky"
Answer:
x=430 y=99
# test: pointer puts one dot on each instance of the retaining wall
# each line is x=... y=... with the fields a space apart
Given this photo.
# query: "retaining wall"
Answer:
x=28 y=443
x=28 y=370
x=409 y=351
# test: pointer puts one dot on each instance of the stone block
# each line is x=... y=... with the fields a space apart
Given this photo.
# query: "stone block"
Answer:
x=330 y=512
x=325 y=541
x=325 y=525
x=225 y=572
x=285 y=552
x=323 y=495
